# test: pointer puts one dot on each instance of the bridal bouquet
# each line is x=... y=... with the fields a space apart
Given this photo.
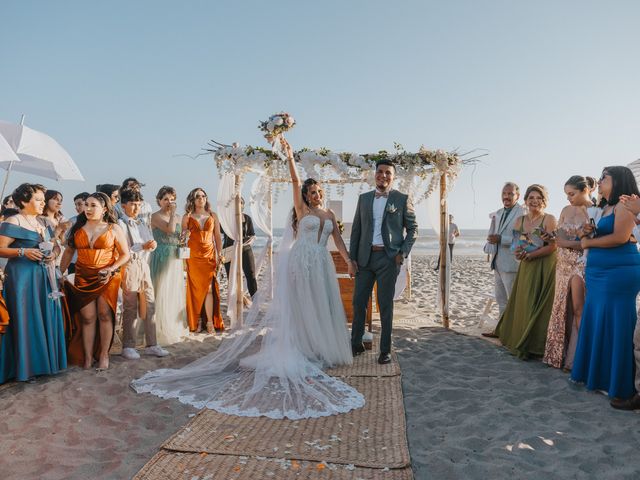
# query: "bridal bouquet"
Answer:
x=277 y=124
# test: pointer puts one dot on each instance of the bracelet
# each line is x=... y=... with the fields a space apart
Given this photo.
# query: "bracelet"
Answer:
x=21 y=252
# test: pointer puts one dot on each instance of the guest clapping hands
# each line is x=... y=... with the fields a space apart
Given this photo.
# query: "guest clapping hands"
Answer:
x=631 y=203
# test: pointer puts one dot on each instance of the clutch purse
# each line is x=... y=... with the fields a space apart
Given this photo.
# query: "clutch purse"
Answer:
x=228 y=253
x=184 y=253
x=528 y=242
x=491 y=248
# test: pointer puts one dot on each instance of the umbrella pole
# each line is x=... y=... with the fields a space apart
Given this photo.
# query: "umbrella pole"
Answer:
x=6 y=177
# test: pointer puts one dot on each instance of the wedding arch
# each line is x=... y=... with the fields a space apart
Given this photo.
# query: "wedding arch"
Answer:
x=420 y=174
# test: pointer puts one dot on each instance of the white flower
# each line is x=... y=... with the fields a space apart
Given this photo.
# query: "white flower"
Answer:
x=290 y=121
x=270 y=126
x=278 y=121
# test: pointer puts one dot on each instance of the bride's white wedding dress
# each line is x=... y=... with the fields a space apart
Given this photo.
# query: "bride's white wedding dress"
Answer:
x=273 y=366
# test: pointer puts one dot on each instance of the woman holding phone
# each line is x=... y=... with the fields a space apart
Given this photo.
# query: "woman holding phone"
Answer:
x=523 y=325
x=167 y=270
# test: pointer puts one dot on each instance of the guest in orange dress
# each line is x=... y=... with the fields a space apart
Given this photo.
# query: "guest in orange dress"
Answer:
x=205 y=243
x=102 y=249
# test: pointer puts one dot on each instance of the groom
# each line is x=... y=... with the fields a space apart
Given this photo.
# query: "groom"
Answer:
x=384 y=230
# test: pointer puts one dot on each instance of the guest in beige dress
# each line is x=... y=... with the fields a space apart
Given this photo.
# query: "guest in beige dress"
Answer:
x=562 y=334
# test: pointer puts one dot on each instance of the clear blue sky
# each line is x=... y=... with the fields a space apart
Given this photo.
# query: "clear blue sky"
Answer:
x=550 y=87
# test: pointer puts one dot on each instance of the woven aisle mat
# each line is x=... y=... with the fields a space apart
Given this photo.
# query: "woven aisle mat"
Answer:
x=373 y=436
x=366 y=365
x=187 y=466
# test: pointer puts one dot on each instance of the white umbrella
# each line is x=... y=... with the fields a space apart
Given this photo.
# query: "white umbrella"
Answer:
x=635 y=168
x=6 y=152
x=39 y=154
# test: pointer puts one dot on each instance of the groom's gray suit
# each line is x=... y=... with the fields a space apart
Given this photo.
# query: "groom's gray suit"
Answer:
x=377 y=262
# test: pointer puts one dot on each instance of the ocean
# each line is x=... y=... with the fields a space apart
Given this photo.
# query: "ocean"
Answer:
x=470 y=242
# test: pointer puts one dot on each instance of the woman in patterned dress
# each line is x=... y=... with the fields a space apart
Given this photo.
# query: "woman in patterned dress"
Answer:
x=562 y=334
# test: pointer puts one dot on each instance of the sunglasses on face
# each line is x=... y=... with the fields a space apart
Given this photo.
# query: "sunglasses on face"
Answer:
x=200 y=196
x=604 y=175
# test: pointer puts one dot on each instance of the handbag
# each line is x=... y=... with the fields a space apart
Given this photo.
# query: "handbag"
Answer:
x=491 y=248
x=184 y=253
x=228 y=253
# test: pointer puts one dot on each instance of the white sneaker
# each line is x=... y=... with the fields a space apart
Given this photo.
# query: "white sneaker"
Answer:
x=156 y=350
x=130 y=354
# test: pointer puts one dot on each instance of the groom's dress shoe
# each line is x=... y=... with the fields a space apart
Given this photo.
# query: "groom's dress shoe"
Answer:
x=384 y=358
x=357 y=349
x=632 y=403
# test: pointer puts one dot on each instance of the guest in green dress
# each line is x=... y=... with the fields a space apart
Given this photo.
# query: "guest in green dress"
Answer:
x=523 y=325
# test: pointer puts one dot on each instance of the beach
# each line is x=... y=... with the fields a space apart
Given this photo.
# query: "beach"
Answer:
x=473 y=411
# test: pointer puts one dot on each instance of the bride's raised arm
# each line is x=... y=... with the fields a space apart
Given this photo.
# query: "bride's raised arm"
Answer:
x=298 y=201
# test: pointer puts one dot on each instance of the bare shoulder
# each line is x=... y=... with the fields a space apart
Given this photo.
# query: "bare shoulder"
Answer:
x=13 y=220
x=117 y=229
x=549 y=221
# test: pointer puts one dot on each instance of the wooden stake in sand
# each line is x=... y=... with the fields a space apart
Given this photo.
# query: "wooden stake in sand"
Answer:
x=444 y=264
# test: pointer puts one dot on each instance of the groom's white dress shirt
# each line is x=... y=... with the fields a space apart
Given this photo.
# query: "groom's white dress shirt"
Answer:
x=379 y=205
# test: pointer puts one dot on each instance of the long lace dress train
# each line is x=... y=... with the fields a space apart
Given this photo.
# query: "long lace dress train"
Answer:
x=273 y=366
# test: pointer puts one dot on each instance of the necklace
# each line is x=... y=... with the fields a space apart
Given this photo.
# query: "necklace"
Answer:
x=533 y=219
x=38 y=228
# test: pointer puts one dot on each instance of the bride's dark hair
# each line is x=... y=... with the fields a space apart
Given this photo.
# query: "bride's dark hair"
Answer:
x=308 y=183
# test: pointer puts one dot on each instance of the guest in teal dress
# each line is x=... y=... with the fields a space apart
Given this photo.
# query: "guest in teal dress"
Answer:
x=34 y=342
x=167 y=271
x=604 y=356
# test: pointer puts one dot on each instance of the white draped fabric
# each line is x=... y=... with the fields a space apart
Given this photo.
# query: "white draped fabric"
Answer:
x=403 y=278
x=433 y=212
x=261 y=215
x=226 y=215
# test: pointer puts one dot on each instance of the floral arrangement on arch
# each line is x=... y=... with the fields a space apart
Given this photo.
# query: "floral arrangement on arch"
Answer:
x=418 y=173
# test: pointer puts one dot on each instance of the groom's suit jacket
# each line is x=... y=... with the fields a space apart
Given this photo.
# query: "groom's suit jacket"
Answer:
x=399 y=217
x=504 y=260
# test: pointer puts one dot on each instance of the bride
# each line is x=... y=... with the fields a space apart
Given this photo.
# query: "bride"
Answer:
x=273 y=366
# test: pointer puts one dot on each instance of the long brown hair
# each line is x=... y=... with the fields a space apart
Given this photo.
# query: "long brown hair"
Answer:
x=190 y=207
x=308 y=183
x=109 y=216
x=49 y=194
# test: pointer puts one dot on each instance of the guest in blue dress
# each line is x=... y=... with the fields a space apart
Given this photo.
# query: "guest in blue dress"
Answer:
x=34 y=342
x=604 y=356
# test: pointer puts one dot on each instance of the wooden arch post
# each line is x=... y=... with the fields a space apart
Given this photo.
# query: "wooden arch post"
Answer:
x=238 y=251
x=444 y=257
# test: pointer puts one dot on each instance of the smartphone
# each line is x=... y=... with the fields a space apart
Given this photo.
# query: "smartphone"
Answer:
x=593 y=224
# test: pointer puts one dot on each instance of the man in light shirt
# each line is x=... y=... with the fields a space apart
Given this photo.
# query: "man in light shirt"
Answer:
x=137 y=289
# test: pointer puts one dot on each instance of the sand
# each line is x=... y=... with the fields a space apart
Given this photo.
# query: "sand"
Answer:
x=473 y=410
